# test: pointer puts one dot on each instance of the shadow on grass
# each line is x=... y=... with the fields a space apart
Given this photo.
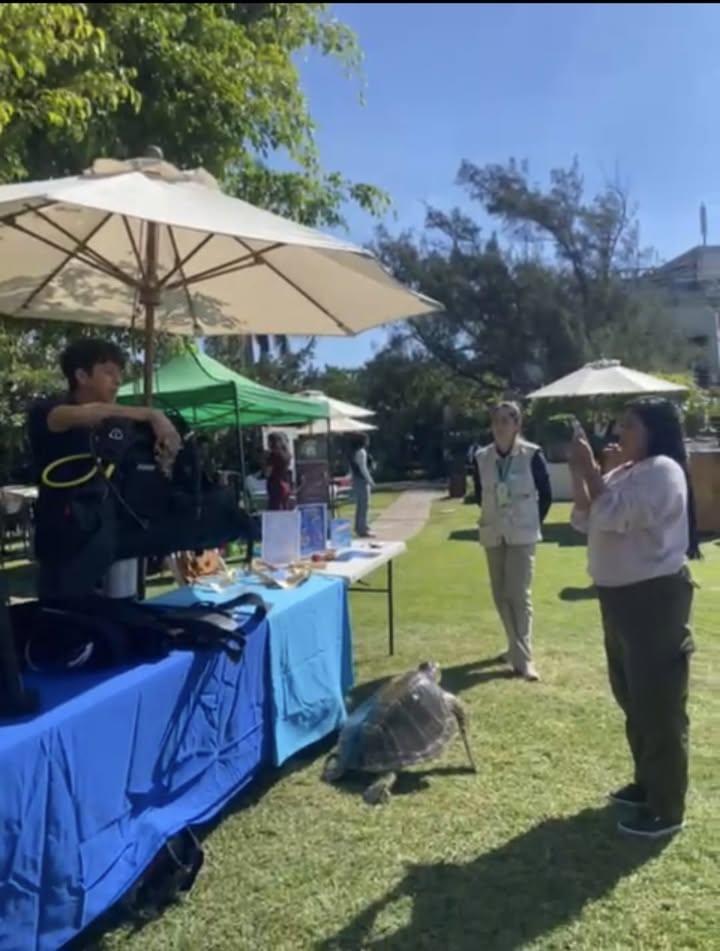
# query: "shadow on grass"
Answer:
x=579 y=594
x=554 y=533
x=408 y=783
x=463 y=535
x=507 y=898
x=563 y=535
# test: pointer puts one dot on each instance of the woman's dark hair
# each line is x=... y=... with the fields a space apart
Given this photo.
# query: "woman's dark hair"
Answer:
x=85 y=353
x=665 y=437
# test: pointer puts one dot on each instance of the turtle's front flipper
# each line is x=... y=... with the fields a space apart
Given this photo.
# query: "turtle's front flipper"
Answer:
x=379 y=791
x=461 y=716
x=333 y=770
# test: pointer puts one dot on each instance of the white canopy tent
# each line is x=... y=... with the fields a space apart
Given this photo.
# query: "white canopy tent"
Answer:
x=339 y=409
x=142 y=244
x=605 y=378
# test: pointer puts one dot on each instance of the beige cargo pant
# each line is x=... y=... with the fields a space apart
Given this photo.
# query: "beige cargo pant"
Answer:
x=511 y=569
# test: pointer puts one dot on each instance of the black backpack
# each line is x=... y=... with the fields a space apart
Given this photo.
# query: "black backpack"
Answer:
x=97 y=633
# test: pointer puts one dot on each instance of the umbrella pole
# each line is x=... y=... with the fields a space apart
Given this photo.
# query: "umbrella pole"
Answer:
x=241 y=491
x=150 y=299
x=328 y=453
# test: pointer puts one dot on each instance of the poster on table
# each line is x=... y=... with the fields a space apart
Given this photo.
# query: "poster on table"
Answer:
x=280 y=537
x=341 y=534
x=313 y=529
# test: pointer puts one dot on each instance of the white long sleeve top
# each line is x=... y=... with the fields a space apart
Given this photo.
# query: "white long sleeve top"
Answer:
x=638 y=527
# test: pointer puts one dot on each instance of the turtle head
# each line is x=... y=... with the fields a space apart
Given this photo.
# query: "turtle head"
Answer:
x=432 y=669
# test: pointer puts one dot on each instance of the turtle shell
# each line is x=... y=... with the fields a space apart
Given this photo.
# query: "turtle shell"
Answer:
x=406 y=721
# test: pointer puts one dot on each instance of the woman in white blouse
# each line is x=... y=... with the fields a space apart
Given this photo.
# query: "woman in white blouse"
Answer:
x=640 y=523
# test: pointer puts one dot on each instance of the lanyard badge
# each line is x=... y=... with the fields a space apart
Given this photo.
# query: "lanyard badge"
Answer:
x=502 y=491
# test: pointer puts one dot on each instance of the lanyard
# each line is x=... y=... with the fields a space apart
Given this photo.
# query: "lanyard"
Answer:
x=503 y=467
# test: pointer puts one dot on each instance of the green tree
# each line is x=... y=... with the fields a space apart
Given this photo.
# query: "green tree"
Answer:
x=56 y=81
x=552 y=296
x=213 y=84
x=424 y=415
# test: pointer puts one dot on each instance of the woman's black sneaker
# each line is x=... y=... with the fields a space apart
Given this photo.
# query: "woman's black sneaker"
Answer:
x=647 y=826
x=631 y=795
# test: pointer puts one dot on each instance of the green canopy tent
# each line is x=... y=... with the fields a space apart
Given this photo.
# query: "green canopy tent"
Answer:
x=209 y=395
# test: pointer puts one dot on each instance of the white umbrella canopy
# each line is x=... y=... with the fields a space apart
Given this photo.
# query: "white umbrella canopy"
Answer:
x=605 y=378
x=141 y=244
x=339 y=409
x=337 y=424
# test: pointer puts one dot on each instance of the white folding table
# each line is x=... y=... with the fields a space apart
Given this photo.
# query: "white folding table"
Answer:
x=360 y=560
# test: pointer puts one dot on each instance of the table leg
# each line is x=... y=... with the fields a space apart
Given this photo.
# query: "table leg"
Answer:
x=391 y=608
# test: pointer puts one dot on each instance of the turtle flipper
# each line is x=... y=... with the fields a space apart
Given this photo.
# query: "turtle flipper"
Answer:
x=460 y=715
x=333 y=769
x=378 y=793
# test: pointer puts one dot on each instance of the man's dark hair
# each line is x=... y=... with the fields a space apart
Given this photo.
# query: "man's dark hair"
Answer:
x=86 y=353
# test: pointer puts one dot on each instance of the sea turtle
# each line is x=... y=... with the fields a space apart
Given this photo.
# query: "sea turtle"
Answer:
x=408 y=720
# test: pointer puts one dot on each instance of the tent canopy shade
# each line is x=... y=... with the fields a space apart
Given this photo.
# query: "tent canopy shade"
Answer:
x=212 y=396
x=606 y=378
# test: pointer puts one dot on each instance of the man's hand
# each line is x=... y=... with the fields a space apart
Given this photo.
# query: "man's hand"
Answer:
x=167 y=440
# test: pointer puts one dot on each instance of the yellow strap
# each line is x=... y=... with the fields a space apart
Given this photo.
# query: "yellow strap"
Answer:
x=81 y=480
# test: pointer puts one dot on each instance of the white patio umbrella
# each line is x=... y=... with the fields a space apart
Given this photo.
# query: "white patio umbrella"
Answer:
x=335 y=424
x=139 y=243
x=605 y=378
x=339 y=409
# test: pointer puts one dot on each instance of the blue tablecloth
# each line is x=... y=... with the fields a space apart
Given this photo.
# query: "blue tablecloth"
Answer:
x=311 y=666
x=116 y=764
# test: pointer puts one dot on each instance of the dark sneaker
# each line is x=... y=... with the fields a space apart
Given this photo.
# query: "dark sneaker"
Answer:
x=631 y=795
x=647 y=826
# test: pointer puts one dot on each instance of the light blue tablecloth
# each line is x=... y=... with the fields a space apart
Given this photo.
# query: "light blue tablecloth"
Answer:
x=310 y=648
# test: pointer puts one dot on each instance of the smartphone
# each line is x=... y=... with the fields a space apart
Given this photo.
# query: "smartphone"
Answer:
x=577 y=430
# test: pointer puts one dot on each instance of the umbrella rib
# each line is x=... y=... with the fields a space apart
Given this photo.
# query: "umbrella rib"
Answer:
x=250 y=259
x=133 y=245
x=300 y=291
x=69 y=257
x=181 y=262
x=12 y=216
x=179 y=268
x=103 y=262
x=118 y=274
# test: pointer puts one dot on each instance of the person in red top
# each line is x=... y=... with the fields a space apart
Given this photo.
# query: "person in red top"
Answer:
x=277 y=473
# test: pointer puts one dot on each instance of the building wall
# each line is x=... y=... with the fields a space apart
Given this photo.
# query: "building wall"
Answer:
x=688 y=288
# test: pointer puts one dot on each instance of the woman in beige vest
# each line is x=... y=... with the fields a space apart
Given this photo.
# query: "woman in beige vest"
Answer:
x=515 y=498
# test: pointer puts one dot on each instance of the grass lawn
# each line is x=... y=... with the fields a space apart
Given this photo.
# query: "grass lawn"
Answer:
x=523 y=855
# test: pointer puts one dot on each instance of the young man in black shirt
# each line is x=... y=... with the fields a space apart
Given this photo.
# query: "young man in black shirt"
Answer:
x=59 y=429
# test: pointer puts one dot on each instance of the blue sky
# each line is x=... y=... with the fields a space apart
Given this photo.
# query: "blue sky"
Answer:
x=631 y=90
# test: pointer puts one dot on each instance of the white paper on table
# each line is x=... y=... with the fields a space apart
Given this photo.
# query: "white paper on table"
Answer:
x=280 y=537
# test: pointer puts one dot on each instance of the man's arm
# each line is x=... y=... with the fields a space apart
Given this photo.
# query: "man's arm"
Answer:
x=88 y=415
x=542 y=484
